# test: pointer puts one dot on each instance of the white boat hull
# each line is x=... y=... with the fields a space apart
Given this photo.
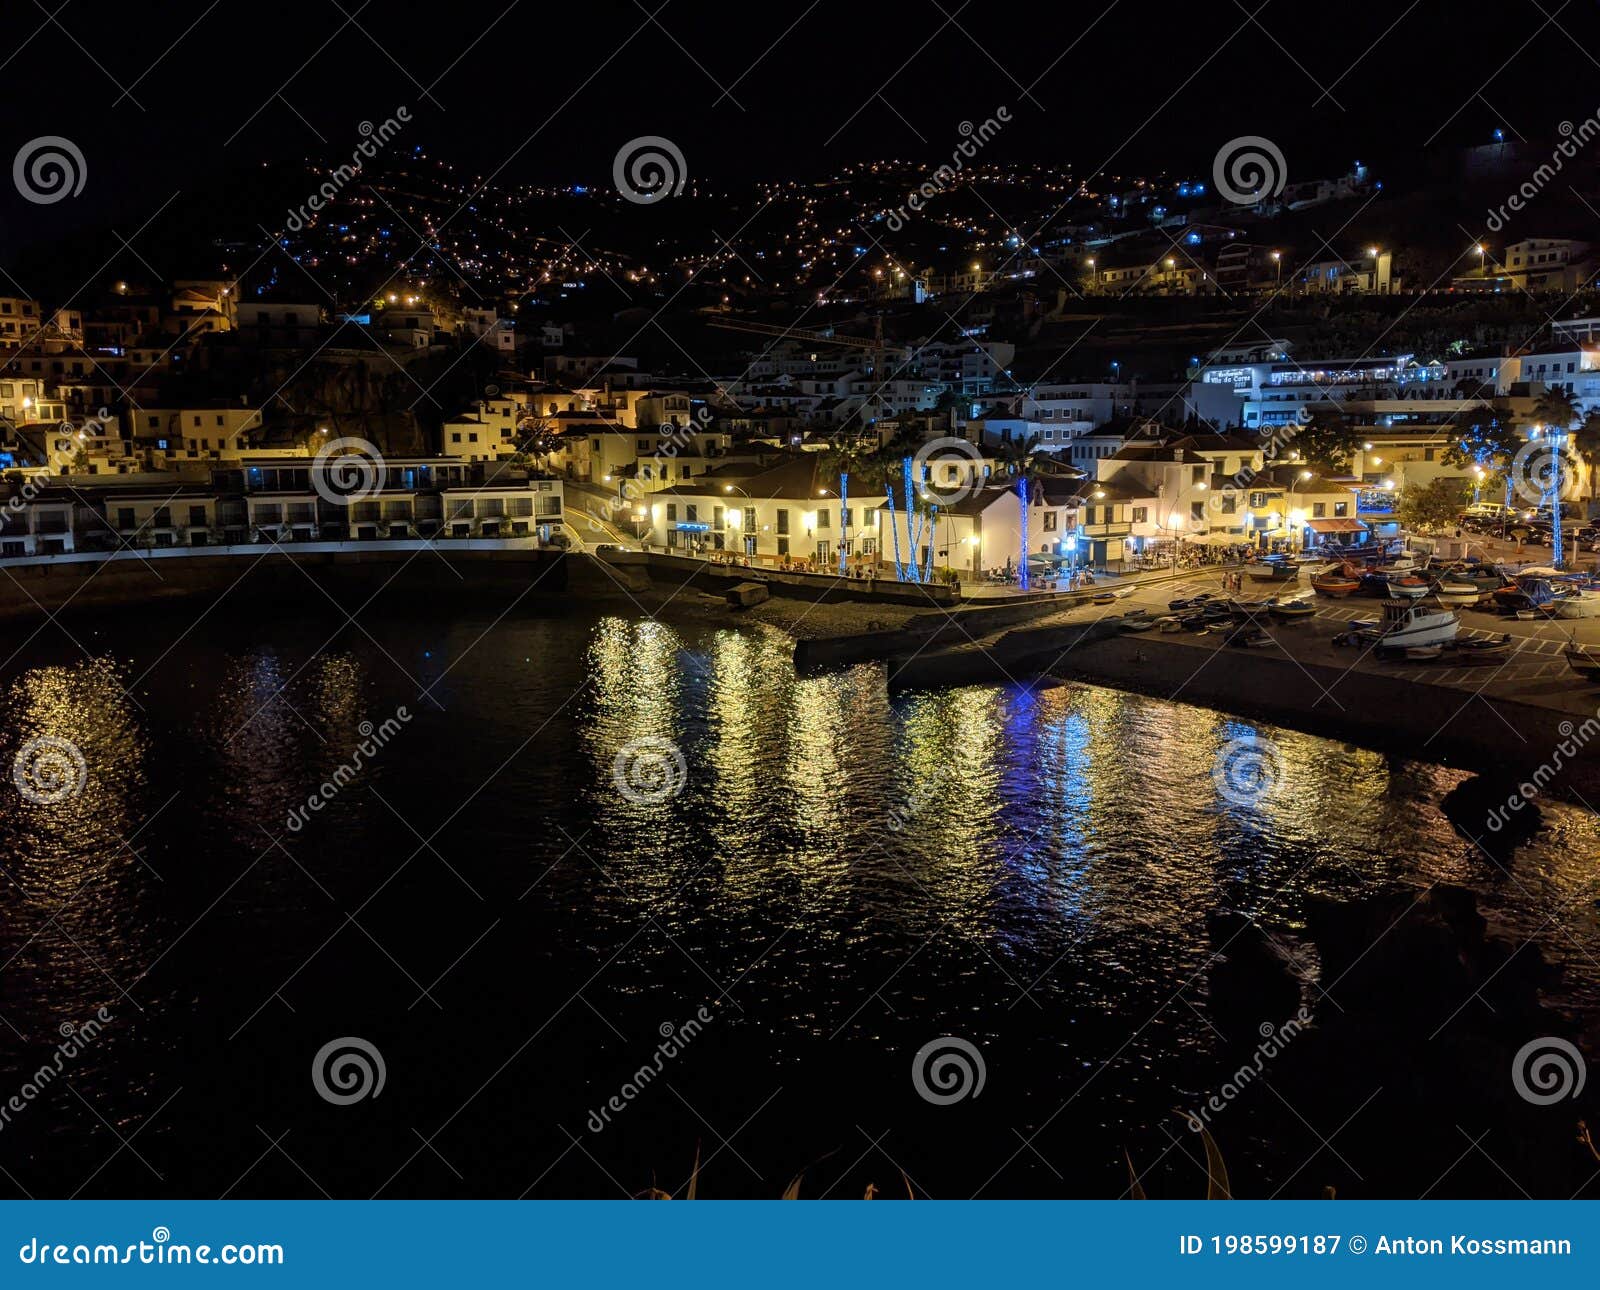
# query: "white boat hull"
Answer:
x=1586 y=604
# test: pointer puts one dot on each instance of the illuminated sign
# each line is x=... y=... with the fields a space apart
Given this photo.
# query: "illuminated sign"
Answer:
x=1238 y=377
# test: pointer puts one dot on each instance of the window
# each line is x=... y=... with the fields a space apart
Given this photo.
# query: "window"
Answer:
x=1141 y=514
x=1197 y=510
x=691 y=512
x=783 y=528
x=717 y=518
x=869 y=516
x=1319 y=510
x=455 y=437
x=1341 y=509
x=750 y=520
x=672 y=512
x=1051 y=519
x=783 y=546
x=823 y=518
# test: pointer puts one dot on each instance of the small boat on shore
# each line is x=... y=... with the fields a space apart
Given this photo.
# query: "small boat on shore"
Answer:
x=1532 y=594
x=1250 y=638
x=1457 y=594
x=1483 y=649
x=1291 y=610
x=1272 y=571
x=1337 y=584
x=1583 y=662
x=1422 y=653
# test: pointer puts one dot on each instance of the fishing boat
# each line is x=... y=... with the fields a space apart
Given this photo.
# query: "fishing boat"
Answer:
x=1272 y=571
x=1583 y=603
x=1137 y=621
x=1532 y=593
x=1457 y=594
x=1581 y=661
x=1405 y=625
x=1483 y=649
x=1168 y=624
x=1422 y=653
x=1250 y=638
x=1336 y=584
x=1388 y=585
x=1290 y=610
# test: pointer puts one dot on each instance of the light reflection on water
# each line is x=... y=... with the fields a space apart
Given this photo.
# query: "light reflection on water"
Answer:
x=1032 y=869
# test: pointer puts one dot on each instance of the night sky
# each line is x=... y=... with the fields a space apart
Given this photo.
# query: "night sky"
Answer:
x=530 y=91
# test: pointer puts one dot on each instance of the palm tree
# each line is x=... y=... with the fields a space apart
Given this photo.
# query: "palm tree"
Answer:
x=1557 y=411
x=844 y=452
x=1586 y=441
x=1021 y=458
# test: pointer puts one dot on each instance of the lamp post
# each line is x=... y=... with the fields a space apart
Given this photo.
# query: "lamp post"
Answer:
x=1294 y=484
x=1277 y=260
x=749 y=537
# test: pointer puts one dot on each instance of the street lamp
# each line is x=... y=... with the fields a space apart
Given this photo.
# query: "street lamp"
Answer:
x=1277 y=260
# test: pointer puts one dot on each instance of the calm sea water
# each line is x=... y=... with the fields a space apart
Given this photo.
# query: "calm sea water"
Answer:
x=845 y=876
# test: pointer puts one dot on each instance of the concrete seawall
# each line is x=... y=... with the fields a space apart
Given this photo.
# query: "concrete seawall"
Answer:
x=350 y=573
x=1390 y=713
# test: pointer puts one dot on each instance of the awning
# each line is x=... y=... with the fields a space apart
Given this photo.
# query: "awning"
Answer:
x=1336 y=526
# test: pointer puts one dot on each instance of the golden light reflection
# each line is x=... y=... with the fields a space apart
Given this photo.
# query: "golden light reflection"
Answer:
x=83 y=720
